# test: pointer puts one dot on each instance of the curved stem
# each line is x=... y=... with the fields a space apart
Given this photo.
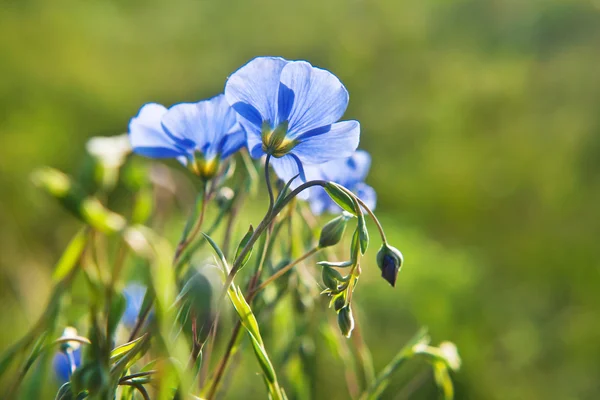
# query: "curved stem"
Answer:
x=140 y=388
x=374 y=218
x=371 y=214
x=283 y=270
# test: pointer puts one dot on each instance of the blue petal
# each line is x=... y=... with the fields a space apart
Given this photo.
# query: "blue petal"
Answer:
x=232 y=143
x=287 y=167
x=340 y=141
x=62 y=365
x=319 y=201
x=366 y=194
x=347 y=171
x=204 y=123
x=319 y=98
x=253 y=138
x=147 y=136
x=134 y=297
x=253 y=89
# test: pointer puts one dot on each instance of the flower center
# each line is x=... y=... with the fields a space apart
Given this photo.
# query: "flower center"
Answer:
x=204 y=168
x=274 y=141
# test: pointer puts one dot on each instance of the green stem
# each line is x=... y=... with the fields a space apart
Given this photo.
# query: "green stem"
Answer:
x=283 y=270
x=185 y=241
x=268 y=182
x=371 y=214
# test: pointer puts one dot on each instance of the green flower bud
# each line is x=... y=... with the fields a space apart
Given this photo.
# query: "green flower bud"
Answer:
x=339 y=302
x=389 y=260
x=332 y=232
x=331 y=278
x=346 y=321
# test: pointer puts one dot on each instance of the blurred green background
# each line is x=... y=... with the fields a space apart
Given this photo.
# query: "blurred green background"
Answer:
x=483 y=119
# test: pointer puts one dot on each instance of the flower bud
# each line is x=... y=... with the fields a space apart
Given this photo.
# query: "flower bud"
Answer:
x=339 y=302
x=224 y=196
x=389 y=260
x=332 y=232
x=346 y=321
x=331 y=278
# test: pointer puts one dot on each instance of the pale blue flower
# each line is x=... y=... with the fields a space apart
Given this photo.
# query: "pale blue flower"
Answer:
x=134 y=298
x=350 y=173
x=291 y=110
x=64 y=364
x=199 y=135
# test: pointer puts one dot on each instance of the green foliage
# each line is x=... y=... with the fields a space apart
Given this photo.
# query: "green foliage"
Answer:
x=482 y=118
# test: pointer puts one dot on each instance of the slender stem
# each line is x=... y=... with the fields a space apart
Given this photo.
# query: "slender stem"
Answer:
x=140 y=321
x=236 y=331
x=268 y=182
x=116 y=271
x=264 y=224
x=283 y=270
x=374 y=218
x=139 y=387
x=224 y=361
x=190 y=238
x=207 y=353
x=233 y=213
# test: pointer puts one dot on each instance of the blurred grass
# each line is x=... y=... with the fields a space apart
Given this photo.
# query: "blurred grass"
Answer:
x=482 y=117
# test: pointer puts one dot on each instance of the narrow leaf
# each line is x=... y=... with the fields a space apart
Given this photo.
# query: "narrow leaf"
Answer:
x=120 y=351
x=243 y=244
x=219 y=253
x=71 y=255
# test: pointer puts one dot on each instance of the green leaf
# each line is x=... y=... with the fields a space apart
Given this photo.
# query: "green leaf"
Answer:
x=250 y=324
x=219 y=253
x=340 y=196
x=121 y=351
x=376 y=388
x=71 y=255
x=284 y=191
x=243 y=244
x=65 y=392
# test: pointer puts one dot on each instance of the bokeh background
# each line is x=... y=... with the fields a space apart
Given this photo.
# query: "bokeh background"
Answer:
x=483 y=119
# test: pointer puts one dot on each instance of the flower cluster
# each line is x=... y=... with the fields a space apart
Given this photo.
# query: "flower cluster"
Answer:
x=288 y=110
x=139 y=336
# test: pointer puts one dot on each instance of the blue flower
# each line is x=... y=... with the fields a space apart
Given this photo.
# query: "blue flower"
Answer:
x=65 y=362
x=290 y=110
x=134 y=298
x=199 y=135
x=350 y=173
